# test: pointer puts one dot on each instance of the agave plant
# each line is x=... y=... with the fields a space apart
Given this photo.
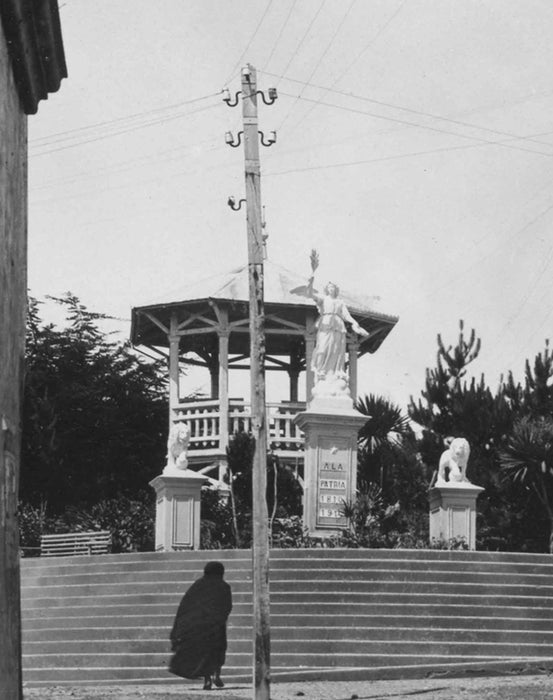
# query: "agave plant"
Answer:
x=527 y=459
x=366 y=516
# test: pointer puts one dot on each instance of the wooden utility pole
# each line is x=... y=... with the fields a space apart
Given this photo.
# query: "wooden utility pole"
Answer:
x=260 y=547
x=255 y=225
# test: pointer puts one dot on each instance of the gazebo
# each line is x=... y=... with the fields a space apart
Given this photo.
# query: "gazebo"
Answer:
x=208 y=326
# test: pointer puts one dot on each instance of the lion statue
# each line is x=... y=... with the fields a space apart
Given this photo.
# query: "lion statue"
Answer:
x=455 y=459
x=177 y=446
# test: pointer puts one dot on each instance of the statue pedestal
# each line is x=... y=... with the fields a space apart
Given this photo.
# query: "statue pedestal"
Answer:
x=330 y=472
x=178 y=494
x=453 y=511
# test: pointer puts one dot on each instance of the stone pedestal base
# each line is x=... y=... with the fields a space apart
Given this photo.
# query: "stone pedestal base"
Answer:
x=330 y=471
x=453 y=512
x=178 y=494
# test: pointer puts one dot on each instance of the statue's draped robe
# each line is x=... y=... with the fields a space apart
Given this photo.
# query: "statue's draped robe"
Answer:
x=199 y=637
x=330 y=350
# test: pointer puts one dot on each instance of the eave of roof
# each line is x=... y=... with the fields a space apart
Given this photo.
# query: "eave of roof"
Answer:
x=284 y=297
x=35 y=45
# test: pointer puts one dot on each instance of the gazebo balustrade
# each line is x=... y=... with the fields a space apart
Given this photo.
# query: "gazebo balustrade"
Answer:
x=209 y=432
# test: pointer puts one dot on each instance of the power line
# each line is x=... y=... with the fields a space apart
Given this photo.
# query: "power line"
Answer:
x=369 y=161
x=412 y=111
x=435 y=129
x=546 y=296
x=382 y=159
x=365 y=48
x=51 y=138
x=321 y=58
x=300 y=44
x=144 y=181
x=462 y=273
x=530 y=290
x=371 y=41
x=131 y=164
x=123 y=131
x=277 y=40
x=239 y=61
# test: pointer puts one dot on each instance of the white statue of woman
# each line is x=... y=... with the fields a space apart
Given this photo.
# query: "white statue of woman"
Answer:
x=329 y=356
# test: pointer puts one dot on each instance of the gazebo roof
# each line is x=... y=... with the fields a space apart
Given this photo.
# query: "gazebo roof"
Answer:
x=284 y=298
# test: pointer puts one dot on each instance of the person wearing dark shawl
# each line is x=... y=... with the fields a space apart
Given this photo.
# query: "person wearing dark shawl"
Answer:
x=199 y=634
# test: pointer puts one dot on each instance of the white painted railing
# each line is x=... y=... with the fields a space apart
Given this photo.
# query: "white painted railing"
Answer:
x=203 y=419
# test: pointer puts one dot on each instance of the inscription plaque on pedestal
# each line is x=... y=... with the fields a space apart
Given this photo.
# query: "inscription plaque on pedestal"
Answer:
x=330 y=467
x=333 y=483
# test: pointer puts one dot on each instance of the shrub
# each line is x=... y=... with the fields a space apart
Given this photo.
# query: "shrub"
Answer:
x=131 y=522
x=32 y=523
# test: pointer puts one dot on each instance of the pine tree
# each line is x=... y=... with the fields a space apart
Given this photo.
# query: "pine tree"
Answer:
x=527 y=456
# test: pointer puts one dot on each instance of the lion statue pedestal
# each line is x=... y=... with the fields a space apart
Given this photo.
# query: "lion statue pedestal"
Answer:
x=178 y=510
x=178 y=494
x=453 y=497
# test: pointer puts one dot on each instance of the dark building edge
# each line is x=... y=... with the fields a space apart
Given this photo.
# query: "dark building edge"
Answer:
x=33 y=35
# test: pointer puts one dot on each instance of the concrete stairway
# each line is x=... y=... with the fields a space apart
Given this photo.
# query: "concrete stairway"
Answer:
x=335 y=614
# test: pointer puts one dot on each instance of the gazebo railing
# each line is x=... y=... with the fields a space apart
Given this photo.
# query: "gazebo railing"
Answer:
x=203 y=417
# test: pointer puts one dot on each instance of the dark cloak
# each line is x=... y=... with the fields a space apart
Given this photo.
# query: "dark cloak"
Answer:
x=199 y=635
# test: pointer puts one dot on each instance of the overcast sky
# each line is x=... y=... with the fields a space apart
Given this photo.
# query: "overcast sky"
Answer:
x=415 y=153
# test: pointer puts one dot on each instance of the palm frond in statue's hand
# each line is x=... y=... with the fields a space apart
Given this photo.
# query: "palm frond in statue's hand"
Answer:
x=314 y=257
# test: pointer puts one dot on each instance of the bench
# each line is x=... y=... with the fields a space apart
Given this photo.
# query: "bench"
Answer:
x=74 y=543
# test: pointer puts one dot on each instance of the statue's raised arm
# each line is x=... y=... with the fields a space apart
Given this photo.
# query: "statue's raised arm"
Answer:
x=329 y=357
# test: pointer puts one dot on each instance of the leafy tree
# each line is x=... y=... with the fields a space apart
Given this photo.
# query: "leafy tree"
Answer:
x=94 y=414
x=216 y=521
x=284 y=493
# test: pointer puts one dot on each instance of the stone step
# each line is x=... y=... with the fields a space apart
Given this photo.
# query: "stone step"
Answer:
x=407 y=668
x=398 y=609
x=110 y=625
x=182 y=579
x=169 y=601
x=322 y=584
x=327 y=558
x=333 y=612
x=389 y=655
x=100 y=638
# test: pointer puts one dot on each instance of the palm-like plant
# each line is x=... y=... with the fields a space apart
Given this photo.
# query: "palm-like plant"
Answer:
x=527 y=459
x=381 y=435
x=387 y=425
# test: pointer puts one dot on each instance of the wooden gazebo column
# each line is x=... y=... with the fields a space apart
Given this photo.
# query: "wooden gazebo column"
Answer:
x=353 y=349
x=294 y=369
x=174 y=348
x=310 y=339
x=223 y=334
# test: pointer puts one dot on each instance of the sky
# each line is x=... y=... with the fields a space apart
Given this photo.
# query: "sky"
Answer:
x=414 y=152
